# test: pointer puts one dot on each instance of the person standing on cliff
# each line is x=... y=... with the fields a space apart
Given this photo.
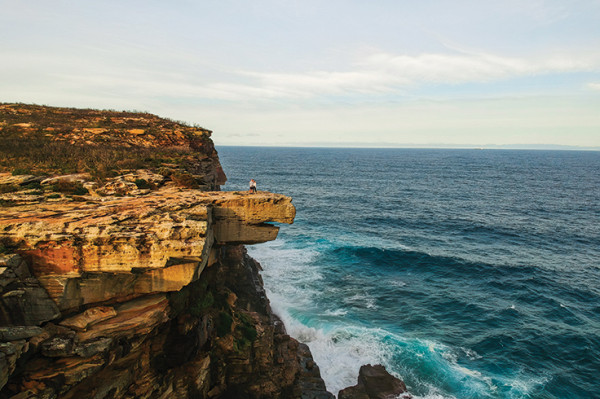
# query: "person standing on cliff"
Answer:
x=252 y=186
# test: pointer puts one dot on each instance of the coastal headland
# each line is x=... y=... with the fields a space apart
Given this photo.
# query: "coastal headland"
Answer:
x=122 y=268
x=123 y=271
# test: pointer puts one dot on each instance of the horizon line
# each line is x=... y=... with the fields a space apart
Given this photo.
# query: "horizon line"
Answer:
x=516 y=147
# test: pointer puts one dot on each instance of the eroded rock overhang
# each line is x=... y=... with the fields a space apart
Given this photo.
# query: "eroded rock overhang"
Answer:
x=115 y=249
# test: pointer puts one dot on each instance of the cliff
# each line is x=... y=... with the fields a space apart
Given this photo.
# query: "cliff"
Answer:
x=120 y=280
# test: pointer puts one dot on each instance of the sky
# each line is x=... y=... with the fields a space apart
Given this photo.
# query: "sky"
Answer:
x=380 y=73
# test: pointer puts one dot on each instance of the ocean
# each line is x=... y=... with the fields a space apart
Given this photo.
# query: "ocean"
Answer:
x=467 y=273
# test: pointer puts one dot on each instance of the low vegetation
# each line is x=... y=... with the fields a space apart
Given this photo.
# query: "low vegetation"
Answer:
x=45 y=141
x=38 y=154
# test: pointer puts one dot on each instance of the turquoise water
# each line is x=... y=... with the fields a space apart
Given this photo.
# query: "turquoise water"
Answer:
x=467 y=273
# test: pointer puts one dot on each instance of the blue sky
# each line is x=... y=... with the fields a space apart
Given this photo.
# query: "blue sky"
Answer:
x=342 y=73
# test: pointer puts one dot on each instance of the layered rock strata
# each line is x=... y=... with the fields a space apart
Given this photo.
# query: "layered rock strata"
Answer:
x=115 y=282
x=148 y=297
x=121 y=247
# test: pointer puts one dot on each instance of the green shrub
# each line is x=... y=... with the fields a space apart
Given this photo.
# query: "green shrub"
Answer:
x=21 y=171
x=178 y=300
x=248 y=332
x=69 y=187
x=142 y=184
x=246 y=327
x=202 y=305
x=54 y=196
x=224 y=322
x=7 y=203
x=9 y=188
x=34 y=186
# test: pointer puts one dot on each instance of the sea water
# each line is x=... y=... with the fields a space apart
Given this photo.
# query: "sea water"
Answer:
x=467 y=273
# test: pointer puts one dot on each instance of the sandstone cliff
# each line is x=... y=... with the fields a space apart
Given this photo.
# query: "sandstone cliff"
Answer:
x=130 y=284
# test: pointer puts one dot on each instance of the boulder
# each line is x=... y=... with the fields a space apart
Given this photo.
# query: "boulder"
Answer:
x=19 y=332
x=374 y=382
x=23 y=300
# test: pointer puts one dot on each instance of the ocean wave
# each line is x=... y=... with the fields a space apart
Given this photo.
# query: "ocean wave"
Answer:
x=319 y=315
x=479 y=268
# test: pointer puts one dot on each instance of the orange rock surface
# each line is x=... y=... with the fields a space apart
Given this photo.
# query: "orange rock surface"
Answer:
x=120 y=247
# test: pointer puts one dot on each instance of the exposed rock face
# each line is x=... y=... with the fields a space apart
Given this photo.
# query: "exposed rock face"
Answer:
x=271 y=365
x=174 y=346
x=135 y=288
x=374 y=382
x=118 y=248
x=23 y=301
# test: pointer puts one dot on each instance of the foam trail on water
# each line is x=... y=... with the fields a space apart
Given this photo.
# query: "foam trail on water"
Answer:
x=292 y=283
x=301 y=297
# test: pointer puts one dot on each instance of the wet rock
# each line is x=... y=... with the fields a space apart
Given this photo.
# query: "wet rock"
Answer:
x=311 y=384
x=374 y=382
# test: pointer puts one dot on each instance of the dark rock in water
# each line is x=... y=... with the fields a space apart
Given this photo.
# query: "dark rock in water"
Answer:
x=374 y=382
x=312 y=386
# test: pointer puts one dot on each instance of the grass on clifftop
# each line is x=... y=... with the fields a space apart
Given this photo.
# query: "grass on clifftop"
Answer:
x=43 y=140
x=40 y=155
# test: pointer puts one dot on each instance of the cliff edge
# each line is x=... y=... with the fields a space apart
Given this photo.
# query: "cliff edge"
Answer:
x=126 y=277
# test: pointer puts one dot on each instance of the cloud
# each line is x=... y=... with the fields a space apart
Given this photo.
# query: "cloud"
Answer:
x=382 y=73
x=594 y=86
x=378 y=74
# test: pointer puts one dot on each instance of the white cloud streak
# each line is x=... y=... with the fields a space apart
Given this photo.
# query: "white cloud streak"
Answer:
x=385 y=73
x=374 y=75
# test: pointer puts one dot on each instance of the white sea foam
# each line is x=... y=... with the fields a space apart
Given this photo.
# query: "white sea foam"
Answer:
x=471 y=354
x=522 y=386
x=432 y=396
x=294 y=285
x=361 y=300
x=335 y=312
